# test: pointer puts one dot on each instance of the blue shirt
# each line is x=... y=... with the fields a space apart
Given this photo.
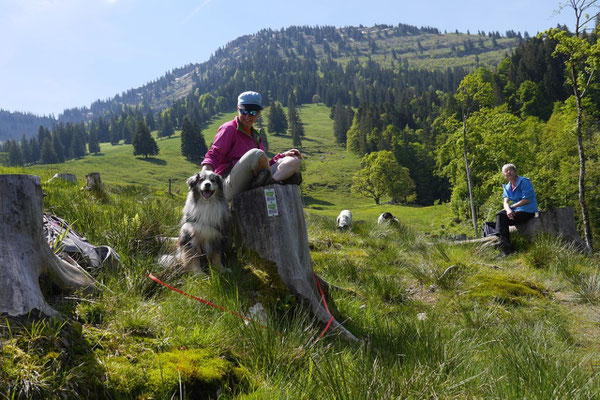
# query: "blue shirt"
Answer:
x=523 y=190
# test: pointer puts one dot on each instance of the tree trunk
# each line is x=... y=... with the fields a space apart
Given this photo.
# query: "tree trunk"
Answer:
x=93 y=181
x=468 y=171
x=24 y=252
x=587 y=230
x=270 y=221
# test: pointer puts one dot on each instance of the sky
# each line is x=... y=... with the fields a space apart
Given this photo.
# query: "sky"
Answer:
x=58 y=54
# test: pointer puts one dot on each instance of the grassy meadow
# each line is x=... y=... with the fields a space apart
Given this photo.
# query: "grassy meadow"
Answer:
x=435 y=320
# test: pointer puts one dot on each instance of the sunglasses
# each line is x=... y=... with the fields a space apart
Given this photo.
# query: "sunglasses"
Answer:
x=253 y=113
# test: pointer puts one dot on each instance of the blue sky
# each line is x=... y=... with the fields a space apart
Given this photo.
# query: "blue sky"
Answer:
x=57 y=54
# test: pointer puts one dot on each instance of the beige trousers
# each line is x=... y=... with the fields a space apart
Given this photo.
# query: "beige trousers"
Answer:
x=242 y=173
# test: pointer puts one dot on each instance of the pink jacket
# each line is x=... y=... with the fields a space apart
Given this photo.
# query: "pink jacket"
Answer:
x=230 y=145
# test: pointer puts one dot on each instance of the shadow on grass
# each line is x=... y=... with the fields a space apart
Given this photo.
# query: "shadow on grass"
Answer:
x=310 y=201
x=153 y=160
x=65 y=360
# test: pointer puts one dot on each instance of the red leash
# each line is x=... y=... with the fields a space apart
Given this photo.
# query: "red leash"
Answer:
x=155 y=279
x=325 y=304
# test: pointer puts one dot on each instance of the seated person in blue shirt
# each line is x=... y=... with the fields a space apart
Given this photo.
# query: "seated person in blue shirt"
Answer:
x=520 y=205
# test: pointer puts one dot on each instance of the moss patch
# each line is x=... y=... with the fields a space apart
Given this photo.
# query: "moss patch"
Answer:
x=199 y=372
x=504 y=289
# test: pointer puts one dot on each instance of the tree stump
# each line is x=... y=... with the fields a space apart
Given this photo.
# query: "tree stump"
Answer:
x=270 y=221
x=66 y=177
x=559 y=222
x=24 y=252
x=93 y=181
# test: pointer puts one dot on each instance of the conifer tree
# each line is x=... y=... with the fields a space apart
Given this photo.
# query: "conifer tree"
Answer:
x=26 y=150
x=263 y=138
x=43 y=133
x=201 y=147
x=93 y=144
x=295 y=124
x=59 y=150
x=150 y=121
x=193 y=145
x=143 y=142
x=34 y=145
x=115 y=134
x=278 y=123
x=47 y=152
x=129 y=126
x=103 y=131
x=77 y=146
x=15 y=155
x=166 y=126
x=342 y=120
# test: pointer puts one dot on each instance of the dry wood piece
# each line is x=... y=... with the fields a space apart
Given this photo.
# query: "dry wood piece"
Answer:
x=66 y=177
x=24 y=252
x=93 y=181
x=270 y=221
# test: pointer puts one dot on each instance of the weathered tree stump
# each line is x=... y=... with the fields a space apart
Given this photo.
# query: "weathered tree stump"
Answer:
x=93 y=181
x=65 y=177
x=559 y=222
x=270 y=221
x=24 y=252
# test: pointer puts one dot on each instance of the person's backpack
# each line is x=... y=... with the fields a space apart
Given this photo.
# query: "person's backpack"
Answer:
x=73 y=247
x=488 y=228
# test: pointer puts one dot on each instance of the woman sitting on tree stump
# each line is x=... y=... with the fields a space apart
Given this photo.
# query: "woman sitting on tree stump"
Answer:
x=238 y=154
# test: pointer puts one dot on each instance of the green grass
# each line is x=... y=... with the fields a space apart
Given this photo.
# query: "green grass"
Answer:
x=436 y=320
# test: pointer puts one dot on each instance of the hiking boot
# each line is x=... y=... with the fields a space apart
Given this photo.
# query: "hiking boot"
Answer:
x=505 y=247
x=263 y=178
x=295 y=179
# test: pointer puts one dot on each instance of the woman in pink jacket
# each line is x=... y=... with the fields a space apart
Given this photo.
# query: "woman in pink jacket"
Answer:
x=238 y=155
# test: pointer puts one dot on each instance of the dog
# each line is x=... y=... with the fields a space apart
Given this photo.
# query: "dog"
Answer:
x=205 y=223
x=387 y=218
x=344 y=220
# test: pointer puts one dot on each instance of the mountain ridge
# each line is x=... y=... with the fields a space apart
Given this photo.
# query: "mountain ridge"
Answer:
x=392 y=47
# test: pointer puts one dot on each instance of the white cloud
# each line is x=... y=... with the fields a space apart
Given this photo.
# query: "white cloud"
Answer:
x=196 y=11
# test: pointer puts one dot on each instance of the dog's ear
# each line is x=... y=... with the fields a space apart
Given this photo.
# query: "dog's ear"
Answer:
x=219 y=181
x=193 y=180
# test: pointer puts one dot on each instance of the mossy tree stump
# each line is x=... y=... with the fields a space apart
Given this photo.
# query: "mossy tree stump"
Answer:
x=270 y=221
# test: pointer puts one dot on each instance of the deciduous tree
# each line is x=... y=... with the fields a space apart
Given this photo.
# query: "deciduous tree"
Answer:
x=474 y=92
x=381 y=175
x=582 y=65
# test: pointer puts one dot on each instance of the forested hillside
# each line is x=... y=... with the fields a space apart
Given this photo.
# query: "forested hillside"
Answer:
x=305 y=60
x=385 y=96
x=13 y=125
